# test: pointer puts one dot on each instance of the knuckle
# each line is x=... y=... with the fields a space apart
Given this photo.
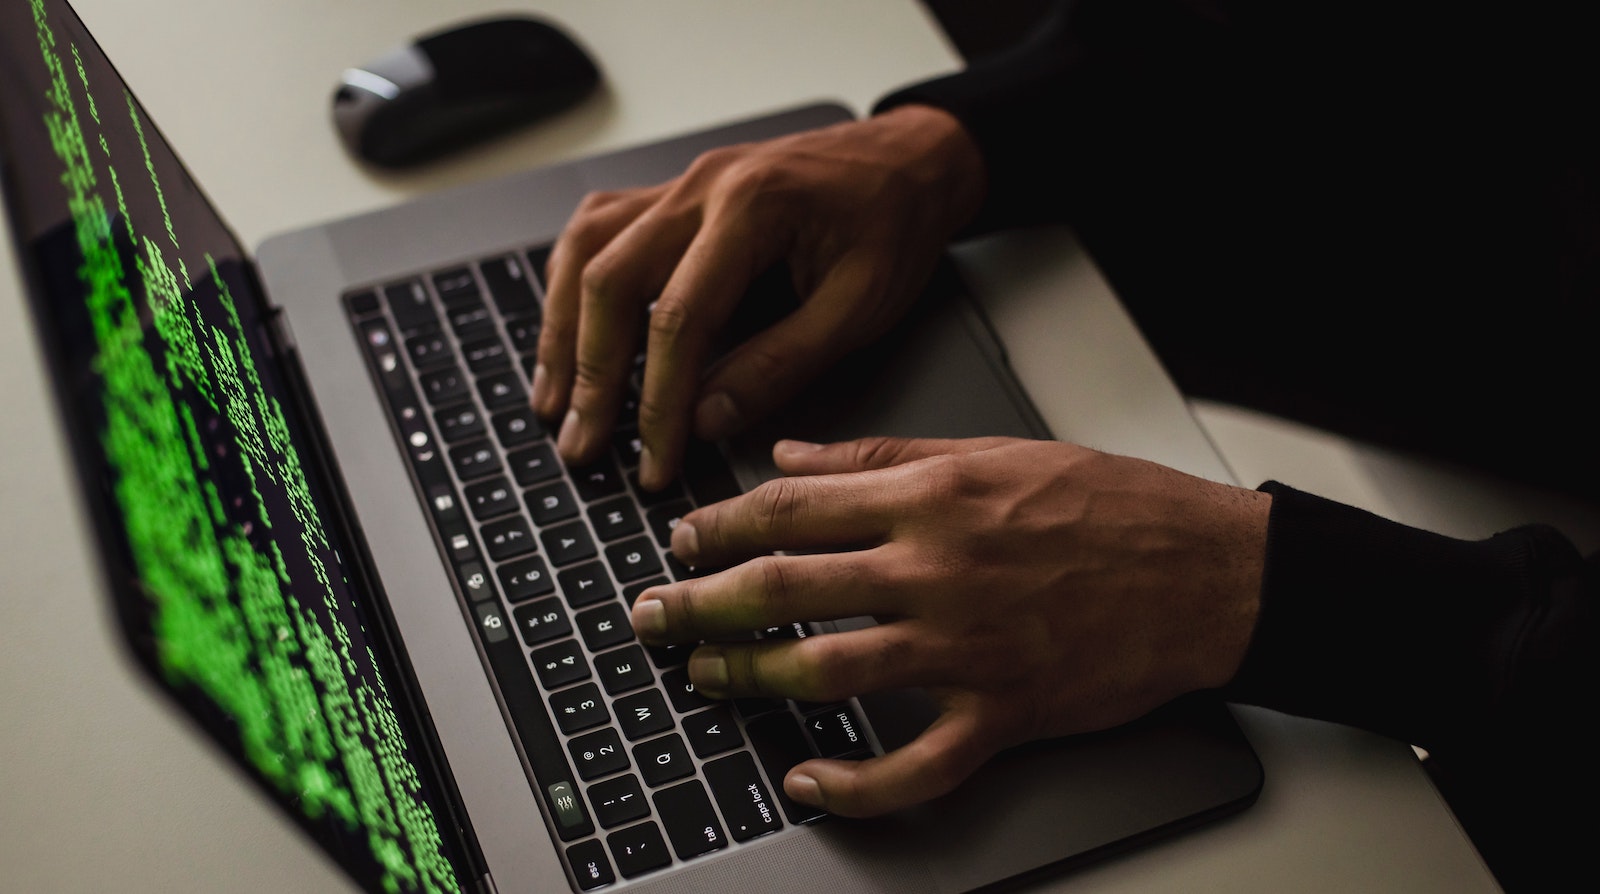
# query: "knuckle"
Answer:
x=774 y=504
x=876 y=452
x=669 y=320
x=590 y=374
x=773 y=582
x=599 y=279
x=655 y=415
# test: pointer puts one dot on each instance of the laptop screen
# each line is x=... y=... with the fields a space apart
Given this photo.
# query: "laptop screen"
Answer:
x=228 y=575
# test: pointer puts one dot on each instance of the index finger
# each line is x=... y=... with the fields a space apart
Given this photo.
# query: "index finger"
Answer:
x=790 y=513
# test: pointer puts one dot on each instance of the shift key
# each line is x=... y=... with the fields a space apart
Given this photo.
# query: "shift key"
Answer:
x=746 y=804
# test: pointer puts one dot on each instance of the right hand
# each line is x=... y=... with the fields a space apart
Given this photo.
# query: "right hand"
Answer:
x=860 y=211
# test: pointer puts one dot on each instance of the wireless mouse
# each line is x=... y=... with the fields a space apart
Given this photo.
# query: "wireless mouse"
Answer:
x=459 y=86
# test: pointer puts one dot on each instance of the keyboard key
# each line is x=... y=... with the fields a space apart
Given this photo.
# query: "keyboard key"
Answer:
x=643 y=714
x=525 y=579
x=429 y=350
x=507 y=538
x=509 y=286
x=597 y=480
x=517 y=427
x=835 y=731
x=524 y=334
x=604 y=627
x=567 y=544
x=456 y=286
x=638 y=849
x=589 y=865
x=615 y=519
x=444 y=386
x=707 y=474
x=623 y=670
x=560 y=664
x=458 y=423
x=631 y=592
x=475 y=581
x=586 y=585
x=746 y=803
x=484 y=354
x=488 y=499
x=633 y=559
x=411 y=306
x=532 y=465
x=664 y=520
x=551 y=503
x=617 y=801
x=538 y=259
x=682 y=692
x=474 y=460
x=470 y=320
x=650 y=498
x=662 y=760
x=542 y=621
x=691 y=824
x=629 y=447
x=598 y=754
x=712 y=731
x=579 y=708
x=780 y=746
x=502 y=390
x=363 y=304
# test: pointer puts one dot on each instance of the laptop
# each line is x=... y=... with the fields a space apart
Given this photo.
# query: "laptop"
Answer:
x=336 y=539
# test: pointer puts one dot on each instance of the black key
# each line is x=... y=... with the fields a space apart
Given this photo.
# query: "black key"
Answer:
x=604 y=627
x=456 y=286
x=631 y=592
x=411 y=306
x=551 y=503
x=362 y=304
x=617 y=801
x=682 y=692
x=525 y=579
x=623 y=670
x=633 y=559
x=664 y=520
x=643 y=714
x=598 y=754
x=524 y=334
x=545 y=755
x=458 y=423
x=458 y=541
x=475 y=581
x=691 y=824
x=638 y=849
x=517 y=426
x=780 y=746
x=746 y=803
x=707 y=474
x=492 y=621
x=429 y=349
x=533 y=464
x=755 y=707
x=509 y=286
x=502 y=390
x=567 y=544
x=586 y=585
x=488 y=499
x=835 y=731
x=579 y=708
x=444 y=385
x=470 y=320
x=792 y=630
x=474 y=460
x=629 y=447
x=662 y=760
x=542 y=621
x=664 y=657
x=507 y=538
x=597 y=480
x=484 y=354
x=589 y=865
x=560 y=663
x=649 y=498
x=538 y=258
x=615 y=519
x=712 y=731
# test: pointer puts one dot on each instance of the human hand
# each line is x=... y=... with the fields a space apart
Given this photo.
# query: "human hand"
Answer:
x=1034 y=588
x=860 y=211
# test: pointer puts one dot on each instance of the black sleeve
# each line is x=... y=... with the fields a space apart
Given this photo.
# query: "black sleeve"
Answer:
x=1486 y=654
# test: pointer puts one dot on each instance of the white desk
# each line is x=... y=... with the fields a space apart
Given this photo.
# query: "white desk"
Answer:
x=103 y=787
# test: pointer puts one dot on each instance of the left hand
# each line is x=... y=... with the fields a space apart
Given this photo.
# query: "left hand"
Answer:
x=1036 y=588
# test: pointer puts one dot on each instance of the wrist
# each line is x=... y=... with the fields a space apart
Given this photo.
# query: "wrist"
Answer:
x=942 y=157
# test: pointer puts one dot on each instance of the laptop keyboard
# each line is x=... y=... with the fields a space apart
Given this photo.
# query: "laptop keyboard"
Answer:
x=636 y=770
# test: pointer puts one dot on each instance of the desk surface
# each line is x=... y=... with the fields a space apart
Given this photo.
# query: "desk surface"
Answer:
x=103 y=787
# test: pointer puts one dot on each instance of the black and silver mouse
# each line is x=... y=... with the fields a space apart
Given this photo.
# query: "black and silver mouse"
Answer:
x=459 y=86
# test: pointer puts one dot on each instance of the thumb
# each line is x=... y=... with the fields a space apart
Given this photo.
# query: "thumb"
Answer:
x=801 y=458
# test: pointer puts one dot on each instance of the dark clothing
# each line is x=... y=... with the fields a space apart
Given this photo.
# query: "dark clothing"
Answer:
x=1382 y=218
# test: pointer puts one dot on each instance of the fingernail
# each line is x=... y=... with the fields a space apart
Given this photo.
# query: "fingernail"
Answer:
x=567 y=441
x=804 y=789
x=650 y=618
x=709 y=673
x=716 y=417
x=648 y=473
x=541 y=384
x=686 y=542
